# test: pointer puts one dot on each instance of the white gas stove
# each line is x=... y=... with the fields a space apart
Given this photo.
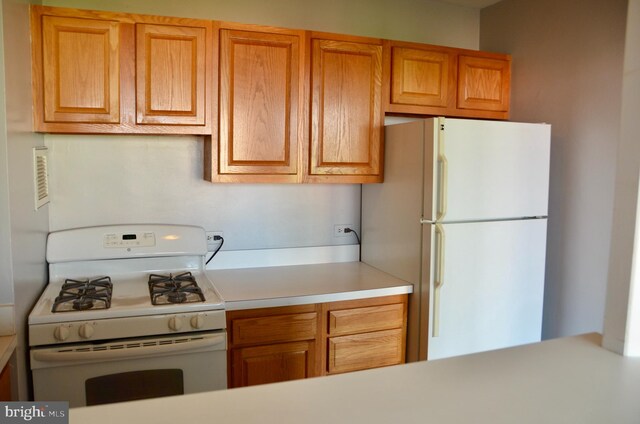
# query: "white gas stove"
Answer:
x=136 y=296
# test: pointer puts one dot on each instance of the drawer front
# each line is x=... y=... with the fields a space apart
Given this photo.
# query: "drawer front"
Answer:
x=363 y=351
x=273 y=329
x=359 y=320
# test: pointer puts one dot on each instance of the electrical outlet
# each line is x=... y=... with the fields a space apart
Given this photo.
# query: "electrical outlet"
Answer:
x=211 y=243
x=338 y=230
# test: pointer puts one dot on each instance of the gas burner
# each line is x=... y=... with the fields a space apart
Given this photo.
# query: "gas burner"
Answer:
x=80 y=295
x=170 y=289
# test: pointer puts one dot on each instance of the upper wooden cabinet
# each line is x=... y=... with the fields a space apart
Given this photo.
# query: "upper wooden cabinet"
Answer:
x=484 y=83
x=170 y=75
x=434 y=80
x=80 y=70
x=261 y=92
x=423 y=77
x=346 y=109
x=103 y=72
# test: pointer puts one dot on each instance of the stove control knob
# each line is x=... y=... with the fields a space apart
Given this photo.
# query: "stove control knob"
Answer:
x=61 y=333
x=175 y=323
x=86 y=331
x=197 y=321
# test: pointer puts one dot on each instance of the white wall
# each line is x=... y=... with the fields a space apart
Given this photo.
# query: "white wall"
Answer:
x=29 y=228
x=135 y=179
x=567 y=71
x=425 y=21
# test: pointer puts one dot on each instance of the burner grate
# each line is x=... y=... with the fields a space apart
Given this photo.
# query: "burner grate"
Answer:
x=170 y=289
x=81 y=295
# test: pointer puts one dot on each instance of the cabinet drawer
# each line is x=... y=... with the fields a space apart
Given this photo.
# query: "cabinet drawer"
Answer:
x=359 y=320
x=273 y=329
x=363 y=351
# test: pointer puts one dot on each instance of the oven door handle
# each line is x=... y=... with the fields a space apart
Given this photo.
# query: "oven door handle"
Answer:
x=215 y=342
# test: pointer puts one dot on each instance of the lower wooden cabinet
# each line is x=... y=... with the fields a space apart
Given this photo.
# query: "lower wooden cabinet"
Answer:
x=5 y=384
x=273 y=363
x=270 y=345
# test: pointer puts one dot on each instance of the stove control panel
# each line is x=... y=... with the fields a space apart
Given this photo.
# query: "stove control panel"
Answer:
x=142 y=239
x=118 y=328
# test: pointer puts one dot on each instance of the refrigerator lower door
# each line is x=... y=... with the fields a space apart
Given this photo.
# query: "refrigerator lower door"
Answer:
x=486 y=285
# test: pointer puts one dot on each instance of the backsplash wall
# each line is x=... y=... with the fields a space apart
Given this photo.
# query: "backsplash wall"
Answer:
x=97 y=180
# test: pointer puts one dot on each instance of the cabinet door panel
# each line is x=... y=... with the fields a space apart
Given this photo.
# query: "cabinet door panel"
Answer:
x=483 y=83
x=364 y=351
x=422 y=77
x=259 y=103
x=80 y=70
x=347 y=321
x=275 y=328
x=273 y=363
x=170 y=74
x=346 y=108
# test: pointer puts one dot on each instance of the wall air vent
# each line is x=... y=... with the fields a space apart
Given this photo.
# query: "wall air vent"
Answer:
x=40 y=176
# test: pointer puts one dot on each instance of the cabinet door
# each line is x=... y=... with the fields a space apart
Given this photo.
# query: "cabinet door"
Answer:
x=273 y=363
x=346 y=111
x=170 y=75
x=260 y=90
x=422 y=77
x=483 y=83
x=80 y=70
x=5 y=384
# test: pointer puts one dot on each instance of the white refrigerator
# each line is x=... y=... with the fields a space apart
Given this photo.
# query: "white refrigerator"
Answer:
x=462 y=214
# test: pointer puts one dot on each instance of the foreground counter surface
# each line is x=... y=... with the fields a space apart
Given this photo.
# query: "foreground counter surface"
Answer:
x=569 y=380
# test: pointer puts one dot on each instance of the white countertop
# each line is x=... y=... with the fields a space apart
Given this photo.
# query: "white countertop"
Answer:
x=569 y=380
x=302 y=284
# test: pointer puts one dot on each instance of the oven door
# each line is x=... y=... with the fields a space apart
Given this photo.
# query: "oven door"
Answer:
x=131 y=369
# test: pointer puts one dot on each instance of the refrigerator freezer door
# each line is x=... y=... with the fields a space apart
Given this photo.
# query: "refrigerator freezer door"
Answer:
x=488 y=170
x=490 y=287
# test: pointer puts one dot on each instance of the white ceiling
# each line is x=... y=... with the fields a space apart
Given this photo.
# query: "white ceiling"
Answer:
x=479 y=4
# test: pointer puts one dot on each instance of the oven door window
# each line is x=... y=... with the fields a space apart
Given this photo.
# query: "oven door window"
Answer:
x=134 y=385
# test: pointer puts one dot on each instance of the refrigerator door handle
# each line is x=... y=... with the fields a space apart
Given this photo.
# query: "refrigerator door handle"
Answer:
x=438 y=279
x=443 y=170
